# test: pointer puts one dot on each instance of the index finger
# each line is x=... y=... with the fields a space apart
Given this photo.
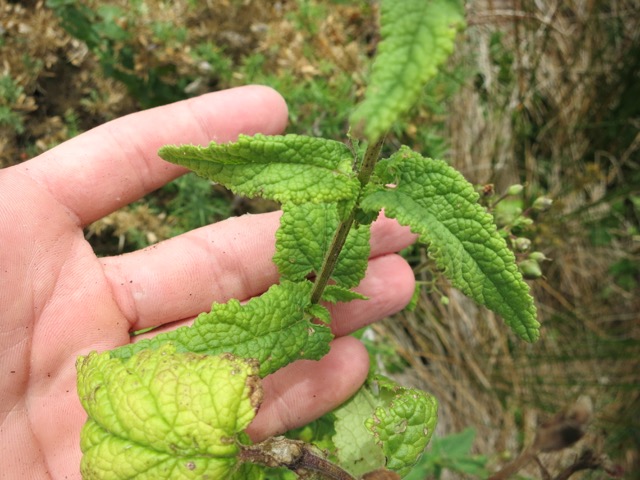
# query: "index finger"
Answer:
x=116 y=163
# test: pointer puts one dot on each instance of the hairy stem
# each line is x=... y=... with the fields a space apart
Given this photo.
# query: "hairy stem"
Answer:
x=331 y=259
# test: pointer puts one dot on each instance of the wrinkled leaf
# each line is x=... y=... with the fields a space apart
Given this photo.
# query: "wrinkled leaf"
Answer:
x=164 y=414
x=290 y=168
x=417 y=36
x=403 y=424
x=439 y=204
x=304 y=238
x=384 y=425
x=274 y=328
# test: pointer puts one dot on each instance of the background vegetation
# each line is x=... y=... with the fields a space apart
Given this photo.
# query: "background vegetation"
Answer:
x=540 y=93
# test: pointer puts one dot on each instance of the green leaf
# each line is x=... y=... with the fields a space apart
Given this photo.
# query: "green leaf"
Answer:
x=290 y=168
x=441 y=206
x=304 y=237
x=335 y=293
x=403 y=423
x=384 y=425
x=452 y=452
x=417 y=36
x=274 y=328
x=320 y=312
x=163 y=414
x=356 y=448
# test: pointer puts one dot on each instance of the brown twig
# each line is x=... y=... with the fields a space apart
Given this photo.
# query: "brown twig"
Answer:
x=297 y=456
x=587 y=461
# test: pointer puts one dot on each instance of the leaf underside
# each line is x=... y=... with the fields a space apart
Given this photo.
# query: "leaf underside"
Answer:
x=164 y=414
x=274 y=328
x=417 y=36
x=441 y=206
x=289 y=168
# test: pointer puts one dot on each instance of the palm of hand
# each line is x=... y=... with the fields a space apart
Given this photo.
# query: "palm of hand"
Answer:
x=58 y=300
x=68 y=310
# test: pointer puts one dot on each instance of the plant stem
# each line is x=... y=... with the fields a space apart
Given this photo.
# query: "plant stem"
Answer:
x=331 y=259
x=294 y=455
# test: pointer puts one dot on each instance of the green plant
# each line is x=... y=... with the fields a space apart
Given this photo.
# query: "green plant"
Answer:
x=452 y=453
x=106 y=33
x=176 y=405
x=10 y=92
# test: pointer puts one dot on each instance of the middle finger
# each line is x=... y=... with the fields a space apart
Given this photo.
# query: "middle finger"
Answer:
x=180 y=278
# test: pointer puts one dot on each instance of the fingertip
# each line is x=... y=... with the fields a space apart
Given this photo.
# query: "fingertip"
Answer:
x=275 y=103
x=116 y=163
x=248 y=109
x=388 y=236
x=388 y=285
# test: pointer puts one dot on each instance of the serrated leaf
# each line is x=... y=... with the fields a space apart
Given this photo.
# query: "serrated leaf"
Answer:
x=163 y=414
x=417 y=36
x=336 y=293
x=290 y=168
x=319 y=312
x=441 y=206
x=304 y=238
x=383 y=425
x=403 y=424
x=274 y=328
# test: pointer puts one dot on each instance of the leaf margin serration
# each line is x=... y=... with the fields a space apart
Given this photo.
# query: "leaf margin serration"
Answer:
x=398 y=73
x=515 y=304
x=285 y=168
x=249 y=335
x=304 y=238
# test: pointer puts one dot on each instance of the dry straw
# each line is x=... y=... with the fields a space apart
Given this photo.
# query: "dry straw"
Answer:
x=549 y=74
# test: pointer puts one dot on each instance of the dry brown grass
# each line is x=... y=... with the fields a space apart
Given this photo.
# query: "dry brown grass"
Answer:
x=567 y=73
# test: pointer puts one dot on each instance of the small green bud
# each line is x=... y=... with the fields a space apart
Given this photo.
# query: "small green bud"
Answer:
x=530 y=269
x=444 y=300
x=523 y=222
x=538 y=256
x=542 y=204
x=522 y=244
x=515 y=189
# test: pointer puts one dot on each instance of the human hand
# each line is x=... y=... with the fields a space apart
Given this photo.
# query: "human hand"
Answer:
x=58 y=300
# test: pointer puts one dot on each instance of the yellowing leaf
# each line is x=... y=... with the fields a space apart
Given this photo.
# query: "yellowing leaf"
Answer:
x=402 y=424
x=356 y=448
x=163 y=414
